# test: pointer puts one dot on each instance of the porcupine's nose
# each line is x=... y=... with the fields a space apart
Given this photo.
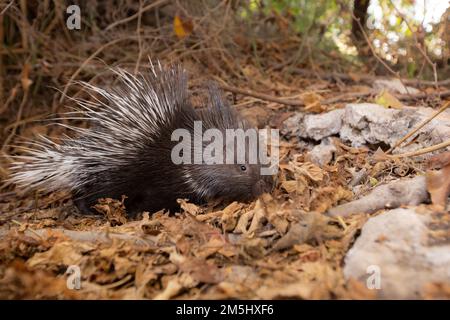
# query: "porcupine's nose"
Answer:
x=263 y=185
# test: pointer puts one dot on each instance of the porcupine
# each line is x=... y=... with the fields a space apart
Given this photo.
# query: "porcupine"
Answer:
x=127 y=149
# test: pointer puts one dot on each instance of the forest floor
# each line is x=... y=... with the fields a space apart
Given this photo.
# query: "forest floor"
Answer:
x=337 y=177
x=283 y=245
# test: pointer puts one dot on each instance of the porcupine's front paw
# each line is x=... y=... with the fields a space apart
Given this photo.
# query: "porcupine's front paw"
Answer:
x=85 y=206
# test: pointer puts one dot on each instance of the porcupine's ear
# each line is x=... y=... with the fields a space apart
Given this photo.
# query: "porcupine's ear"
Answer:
x=219 y=114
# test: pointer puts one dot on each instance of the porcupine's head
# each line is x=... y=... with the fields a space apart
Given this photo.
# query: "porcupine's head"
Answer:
x=236 y=173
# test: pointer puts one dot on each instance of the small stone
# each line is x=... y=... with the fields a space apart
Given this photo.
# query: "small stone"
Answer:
x=319 y=126
x=394 y=86
x=323 y=153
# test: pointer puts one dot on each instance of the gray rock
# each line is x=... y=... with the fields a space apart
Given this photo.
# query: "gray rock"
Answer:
x=371 y=123
x=291 y=125
x=394 y=86
x=319 y=126
x=395 y=245
x=323 y=153
x=368 y=123
x=436 y=131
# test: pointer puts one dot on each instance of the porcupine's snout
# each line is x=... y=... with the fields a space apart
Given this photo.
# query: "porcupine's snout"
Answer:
x=265 y=184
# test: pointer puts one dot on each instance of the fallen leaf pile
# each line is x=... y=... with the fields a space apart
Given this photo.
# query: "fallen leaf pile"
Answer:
x=261 y=250
x=282 y=245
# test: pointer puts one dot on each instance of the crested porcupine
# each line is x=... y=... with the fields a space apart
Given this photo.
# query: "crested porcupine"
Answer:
x=127 y=149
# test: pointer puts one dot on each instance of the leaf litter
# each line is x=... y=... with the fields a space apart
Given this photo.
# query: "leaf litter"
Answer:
x=283 y=245
x=260 y=250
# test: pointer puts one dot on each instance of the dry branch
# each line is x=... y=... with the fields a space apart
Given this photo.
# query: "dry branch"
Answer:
x=261 y=96
x=349 y=96
x=137 y=14
x=393 y=195
x=369 y=79
x=84 y=236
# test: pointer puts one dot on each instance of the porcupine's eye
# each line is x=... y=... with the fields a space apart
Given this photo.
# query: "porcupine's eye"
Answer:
x=243 y=168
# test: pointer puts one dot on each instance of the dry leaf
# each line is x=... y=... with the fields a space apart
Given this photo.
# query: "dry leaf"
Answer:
x=230 y=215
x=215 y=243
x=151 y=227
x=189 y=207
x=326 y=197
x=312 y=102
x=387 y=100
x=182 y=27
x=276 y=216
x=173 y=288
x=438 y=182
x=311 y=171
x=259 y=217
x=201 y=271
x=295 y=290
x=436 y=291
x=114 y=210
x=439 y=161
x=380 y=155
x=241 y=226
x=359 y=291
x=290 y=186
x=438 y=185
x=62 y=253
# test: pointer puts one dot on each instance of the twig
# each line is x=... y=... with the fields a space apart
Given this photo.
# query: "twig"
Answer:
x=399 y=142
x=372 y=48
x=87 y=236
x=340 y=98
x=31 y=230
x=445 y=82
x=1 y=59
x=427 y=58
x=442 y=94
x=403 y=97
x=261 y=96
x=26 y=120
x=85 y=62
x=349 y=96
x=136 y=15
x=136 y=68
x=56 y=18
x=19 y=116
x=364 y=78
x=375 y=54
x=24 y=32
x=6 y=8
x=118 y=283
x=422 y=151
x=393 y=195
